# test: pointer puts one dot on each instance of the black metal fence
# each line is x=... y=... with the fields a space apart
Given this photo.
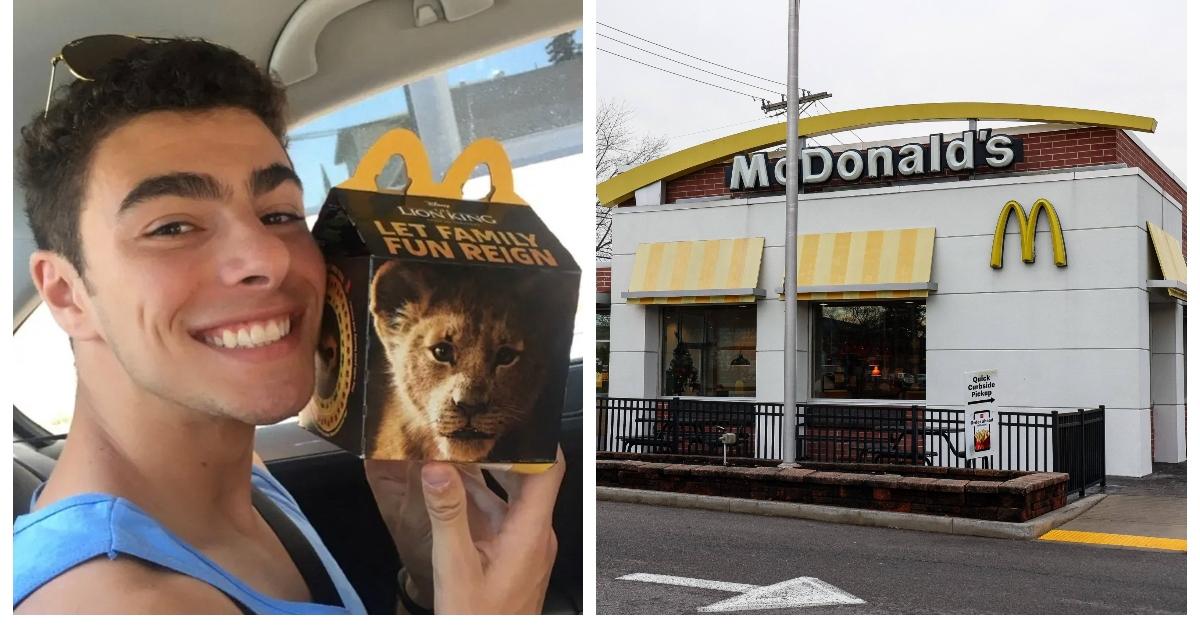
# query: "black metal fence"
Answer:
x=1069 y=442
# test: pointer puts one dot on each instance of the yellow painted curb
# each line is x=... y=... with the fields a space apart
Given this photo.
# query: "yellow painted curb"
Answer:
x=1125 y=540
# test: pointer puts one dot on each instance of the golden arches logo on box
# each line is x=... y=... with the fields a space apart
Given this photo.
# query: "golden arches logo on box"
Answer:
x=1028 y=227
x=335 y=357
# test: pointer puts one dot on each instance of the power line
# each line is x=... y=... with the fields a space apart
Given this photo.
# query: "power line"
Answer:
x=689 y=55
x=651 y=52
x=715 y=127
x=860 y=140
x=835 y=137
x=677 y=74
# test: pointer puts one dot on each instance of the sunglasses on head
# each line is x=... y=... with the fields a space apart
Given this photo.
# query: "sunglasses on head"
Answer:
x=84 y=57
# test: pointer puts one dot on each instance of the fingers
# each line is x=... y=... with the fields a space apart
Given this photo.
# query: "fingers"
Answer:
x=532 y=496
x=393 y=473
x=456 y=564
x=396 y=486
x=487 y=509
x=512 y=481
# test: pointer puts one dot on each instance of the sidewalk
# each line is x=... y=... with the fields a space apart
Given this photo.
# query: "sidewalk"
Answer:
x=1146 y=513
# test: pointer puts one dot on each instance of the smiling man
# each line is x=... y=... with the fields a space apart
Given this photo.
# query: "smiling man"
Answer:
x=173 y=251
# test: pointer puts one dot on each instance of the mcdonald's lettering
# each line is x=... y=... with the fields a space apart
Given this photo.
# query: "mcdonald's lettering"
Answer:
x=1028 y=227
x=818 y=165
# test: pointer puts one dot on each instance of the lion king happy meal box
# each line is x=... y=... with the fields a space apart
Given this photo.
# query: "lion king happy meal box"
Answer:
x=447 y=325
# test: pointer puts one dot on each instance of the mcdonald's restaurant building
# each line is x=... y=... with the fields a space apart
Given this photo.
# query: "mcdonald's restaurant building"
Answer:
x=1053 y=252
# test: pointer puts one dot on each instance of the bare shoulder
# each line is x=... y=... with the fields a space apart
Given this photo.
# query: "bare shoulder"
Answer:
x=126 y=586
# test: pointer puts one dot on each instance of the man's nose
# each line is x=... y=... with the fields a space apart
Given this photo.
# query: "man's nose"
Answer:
x=252 y=255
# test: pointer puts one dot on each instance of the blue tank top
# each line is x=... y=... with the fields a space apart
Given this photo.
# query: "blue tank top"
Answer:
x=62 y=535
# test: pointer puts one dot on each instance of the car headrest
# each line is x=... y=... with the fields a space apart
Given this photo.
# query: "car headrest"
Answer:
x=30 y=469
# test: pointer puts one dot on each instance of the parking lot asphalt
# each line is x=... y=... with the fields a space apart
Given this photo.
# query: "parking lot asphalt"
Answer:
x=890 y=571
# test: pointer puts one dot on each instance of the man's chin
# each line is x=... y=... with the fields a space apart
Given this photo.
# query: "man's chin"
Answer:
x=263 y=409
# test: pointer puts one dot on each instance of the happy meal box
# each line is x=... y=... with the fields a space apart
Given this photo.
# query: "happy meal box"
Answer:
x=447 y=326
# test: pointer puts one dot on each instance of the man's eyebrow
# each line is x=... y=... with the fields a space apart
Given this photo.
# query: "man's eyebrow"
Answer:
x=185 y=184
x=266 y=179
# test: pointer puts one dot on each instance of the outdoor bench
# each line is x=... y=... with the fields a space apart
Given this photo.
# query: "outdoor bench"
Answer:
x=656 y=442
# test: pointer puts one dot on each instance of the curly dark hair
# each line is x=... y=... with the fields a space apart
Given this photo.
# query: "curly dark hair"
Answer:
x=175 y=75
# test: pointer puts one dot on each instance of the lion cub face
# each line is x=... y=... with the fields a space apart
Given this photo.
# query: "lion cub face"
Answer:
x=463 y=369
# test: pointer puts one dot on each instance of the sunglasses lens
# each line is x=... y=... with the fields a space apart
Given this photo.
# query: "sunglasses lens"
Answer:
x=86 y=56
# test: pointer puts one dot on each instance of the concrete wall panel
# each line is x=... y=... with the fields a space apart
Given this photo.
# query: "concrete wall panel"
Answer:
x=1068 y=319
x=1166 y=378
x=633 y=374
x=1170 y=444
x=1048 y=378
x=1097 y=258
x=1127 y=442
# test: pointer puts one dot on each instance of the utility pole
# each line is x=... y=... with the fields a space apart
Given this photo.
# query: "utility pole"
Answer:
x=789 y=248
x=807 y=98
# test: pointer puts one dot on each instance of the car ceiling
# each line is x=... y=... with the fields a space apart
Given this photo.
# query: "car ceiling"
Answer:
x=359 y=53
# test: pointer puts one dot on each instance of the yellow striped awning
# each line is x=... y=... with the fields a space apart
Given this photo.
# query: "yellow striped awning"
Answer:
x=1170 y=260
x=886 y=264
x=697 y=271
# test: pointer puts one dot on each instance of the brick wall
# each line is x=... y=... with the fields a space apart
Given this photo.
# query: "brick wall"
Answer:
x=956 y=492
x=1129 y=152
x=708 y=181
x=603 y=280
x=1049 y=150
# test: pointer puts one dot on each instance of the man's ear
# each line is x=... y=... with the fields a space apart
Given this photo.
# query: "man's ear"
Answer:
x=64 y=292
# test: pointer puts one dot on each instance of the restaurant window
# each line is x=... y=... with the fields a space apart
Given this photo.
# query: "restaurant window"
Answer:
x=603 y=322
x=864 y=350
x=709 y=351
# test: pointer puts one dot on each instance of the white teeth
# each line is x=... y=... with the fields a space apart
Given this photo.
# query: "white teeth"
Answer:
x=254 y=335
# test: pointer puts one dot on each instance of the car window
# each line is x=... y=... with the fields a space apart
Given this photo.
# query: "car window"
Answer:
x=44 y=386
x=529 y=97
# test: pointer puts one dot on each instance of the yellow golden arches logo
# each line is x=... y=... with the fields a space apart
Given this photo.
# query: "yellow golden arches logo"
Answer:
x=1028 y=227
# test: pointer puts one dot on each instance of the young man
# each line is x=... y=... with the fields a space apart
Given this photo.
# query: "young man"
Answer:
x=174 y=253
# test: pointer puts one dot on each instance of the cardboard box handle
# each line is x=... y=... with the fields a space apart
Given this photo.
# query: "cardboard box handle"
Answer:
x=407 y=145
x=400 y=142
x=491 y=153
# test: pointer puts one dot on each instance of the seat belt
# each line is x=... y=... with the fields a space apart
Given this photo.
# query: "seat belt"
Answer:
x=316 y=577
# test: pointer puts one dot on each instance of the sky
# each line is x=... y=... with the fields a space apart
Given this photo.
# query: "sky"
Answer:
x=1125 y=57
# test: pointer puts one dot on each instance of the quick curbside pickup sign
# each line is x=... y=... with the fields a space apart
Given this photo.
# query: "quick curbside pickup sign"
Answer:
x=982 y=413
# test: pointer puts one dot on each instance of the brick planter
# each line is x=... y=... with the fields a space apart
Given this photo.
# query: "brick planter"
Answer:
x=1013 y=496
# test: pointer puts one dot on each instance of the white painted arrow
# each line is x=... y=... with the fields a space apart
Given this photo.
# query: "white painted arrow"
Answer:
x=794 y=593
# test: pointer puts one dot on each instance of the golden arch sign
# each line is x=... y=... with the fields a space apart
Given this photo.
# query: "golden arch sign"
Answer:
x=1028 y=228
x=622 y=186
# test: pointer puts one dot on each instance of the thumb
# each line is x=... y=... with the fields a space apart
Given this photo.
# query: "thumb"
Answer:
x=455 y=559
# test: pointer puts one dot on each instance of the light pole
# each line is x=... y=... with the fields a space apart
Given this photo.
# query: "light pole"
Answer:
x=789 y=248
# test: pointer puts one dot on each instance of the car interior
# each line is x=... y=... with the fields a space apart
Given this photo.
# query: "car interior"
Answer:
x=331 y=55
